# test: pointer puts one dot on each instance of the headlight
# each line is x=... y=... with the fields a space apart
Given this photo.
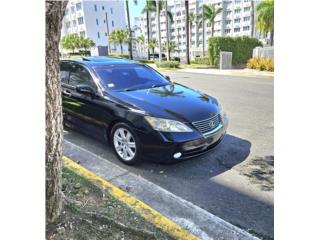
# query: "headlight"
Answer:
x=166 y=125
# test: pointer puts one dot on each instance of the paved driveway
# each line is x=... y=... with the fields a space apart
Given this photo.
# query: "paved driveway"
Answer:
x=235 y=181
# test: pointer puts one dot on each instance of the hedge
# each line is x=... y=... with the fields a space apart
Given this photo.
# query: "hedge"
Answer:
x=241 y=48
x=119 y=55
x=167 y=64
x=202 y=60
x=145 y=61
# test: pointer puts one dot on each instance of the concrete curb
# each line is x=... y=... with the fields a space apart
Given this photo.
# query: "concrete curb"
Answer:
x=151 y=215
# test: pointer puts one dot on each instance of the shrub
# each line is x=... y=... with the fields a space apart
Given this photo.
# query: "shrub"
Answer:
x=261 y=64
x=167 y=64
x=177 y=59
x=145 y=61
x=202 y=60
x=119 y=55
x=241 y=48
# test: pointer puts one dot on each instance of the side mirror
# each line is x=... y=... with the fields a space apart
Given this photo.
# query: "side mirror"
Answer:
x=85 y=89
x=168 y=78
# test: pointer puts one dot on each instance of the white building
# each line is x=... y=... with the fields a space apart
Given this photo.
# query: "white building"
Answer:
x=234 y=21
x=95 y=19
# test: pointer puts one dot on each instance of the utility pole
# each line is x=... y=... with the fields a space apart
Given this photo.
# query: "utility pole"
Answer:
x=159 y=31
x=129 y=29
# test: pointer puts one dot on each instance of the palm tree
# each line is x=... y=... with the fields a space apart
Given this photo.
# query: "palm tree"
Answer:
x=129 y=27
x=193 y=18
x=210 y=12
x=186 y=4
x=169 y=46
x=120 y=37
x=152 y=45
x=265 y=18
x=149 y=7
x=140 y=39
x=112 y=39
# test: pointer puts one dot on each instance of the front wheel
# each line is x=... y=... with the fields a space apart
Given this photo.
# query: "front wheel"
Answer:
x=125 y=143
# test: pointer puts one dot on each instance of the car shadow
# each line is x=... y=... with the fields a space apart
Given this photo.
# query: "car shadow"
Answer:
x=230 y=152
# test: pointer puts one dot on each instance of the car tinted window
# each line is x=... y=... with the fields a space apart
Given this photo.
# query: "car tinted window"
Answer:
x=129 y=77
x=64 y=72
x=80 y=75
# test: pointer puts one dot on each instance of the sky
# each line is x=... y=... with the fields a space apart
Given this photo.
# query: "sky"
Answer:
x=135 y=10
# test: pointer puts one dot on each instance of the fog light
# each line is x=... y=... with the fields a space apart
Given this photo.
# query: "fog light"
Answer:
x=177 y=155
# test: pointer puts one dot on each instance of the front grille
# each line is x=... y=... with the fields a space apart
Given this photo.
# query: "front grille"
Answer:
x=207 y=125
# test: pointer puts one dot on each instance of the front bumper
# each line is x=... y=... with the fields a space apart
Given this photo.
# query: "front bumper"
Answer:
x=161 y=147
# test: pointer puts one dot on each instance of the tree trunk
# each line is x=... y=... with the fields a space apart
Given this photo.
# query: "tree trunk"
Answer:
x=212 y=28
x=187 y=31
x=271 y=37
x=203 y=31
x=129 y=29
x=252 y=18
x=148 y=34
x=121 y=49
x=54 y=128
x=159 y=30
x=167 y=29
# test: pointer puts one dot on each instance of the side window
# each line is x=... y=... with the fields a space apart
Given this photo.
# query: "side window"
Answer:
x=64 y=72
x=80 y=75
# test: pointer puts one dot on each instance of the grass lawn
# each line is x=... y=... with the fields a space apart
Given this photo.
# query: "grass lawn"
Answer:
x=92 y=213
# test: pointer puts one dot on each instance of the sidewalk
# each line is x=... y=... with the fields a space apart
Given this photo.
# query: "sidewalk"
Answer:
x=189 y=216
x=232 y=72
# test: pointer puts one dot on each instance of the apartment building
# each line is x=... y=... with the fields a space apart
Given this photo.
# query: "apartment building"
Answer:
x=233 y=21
x=95 y=19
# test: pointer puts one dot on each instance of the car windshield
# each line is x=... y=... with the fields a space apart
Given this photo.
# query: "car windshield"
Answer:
x=129 y=77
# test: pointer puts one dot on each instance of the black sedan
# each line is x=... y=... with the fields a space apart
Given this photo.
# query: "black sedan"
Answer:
x=138 y=110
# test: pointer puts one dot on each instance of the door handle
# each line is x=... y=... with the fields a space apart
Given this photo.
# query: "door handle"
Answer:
x=67 y=92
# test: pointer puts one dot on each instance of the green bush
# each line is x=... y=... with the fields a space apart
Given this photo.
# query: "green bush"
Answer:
x=202 y=60
x=241 y=48
x=261 y=64
x=177 y=59
x=119 y=55
x=145 y=61
x=167 y=64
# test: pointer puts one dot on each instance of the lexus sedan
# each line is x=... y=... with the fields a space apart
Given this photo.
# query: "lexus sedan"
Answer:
x=140 y=112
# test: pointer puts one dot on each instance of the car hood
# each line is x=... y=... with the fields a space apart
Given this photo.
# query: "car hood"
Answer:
x=173 y=101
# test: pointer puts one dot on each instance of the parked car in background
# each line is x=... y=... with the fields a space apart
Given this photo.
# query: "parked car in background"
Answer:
x=140 y=112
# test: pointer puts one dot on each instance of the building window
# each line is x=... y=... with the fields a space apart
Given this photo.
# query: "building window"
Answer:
x=83 y=33
x=95 y=8
x=98 y=35
x=102 y=7
x=67 y=24
x=80 y=20
x=246 y=19
x=72 y=9
x=66 y=12
x=105 y=34
x=104 y=21
x=228 y=21
x=112 y=23
x=237 y=29
x=227 y=30
x=111 y=10
x=237 y=20
x=228 y=13
x=246 y=28
x=246 y=9
x=78 y=6
x=237 y=10
x=97 y=21
x=74 y=23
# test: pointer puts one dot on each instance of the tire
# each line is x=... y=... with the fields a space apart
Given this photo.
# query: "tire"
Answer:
x=125 y=143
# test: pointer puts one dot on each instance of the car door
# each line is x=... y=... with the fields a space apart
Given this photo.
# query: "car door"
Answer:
x=82 y=109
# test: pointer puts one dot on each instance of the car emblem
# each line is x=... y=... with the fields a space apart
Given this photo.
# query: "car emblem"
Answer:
x=211 y=124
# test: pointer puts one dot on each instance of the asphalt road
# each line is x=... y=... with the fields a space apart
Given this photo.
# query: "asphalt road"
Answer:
x=235 y=181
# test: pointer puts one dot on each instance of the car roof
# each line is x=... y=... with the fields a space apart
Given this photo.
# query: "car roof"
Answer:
x=100 y=61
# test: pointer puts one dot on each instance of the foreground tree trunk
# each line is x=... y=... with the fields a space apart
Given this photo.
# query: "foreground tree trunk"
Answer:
x=54 y=128
x=148 y=33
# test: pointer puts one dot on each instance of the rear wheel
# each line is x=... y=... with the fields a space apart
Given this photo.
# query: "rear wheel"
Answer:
x=125 y=143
